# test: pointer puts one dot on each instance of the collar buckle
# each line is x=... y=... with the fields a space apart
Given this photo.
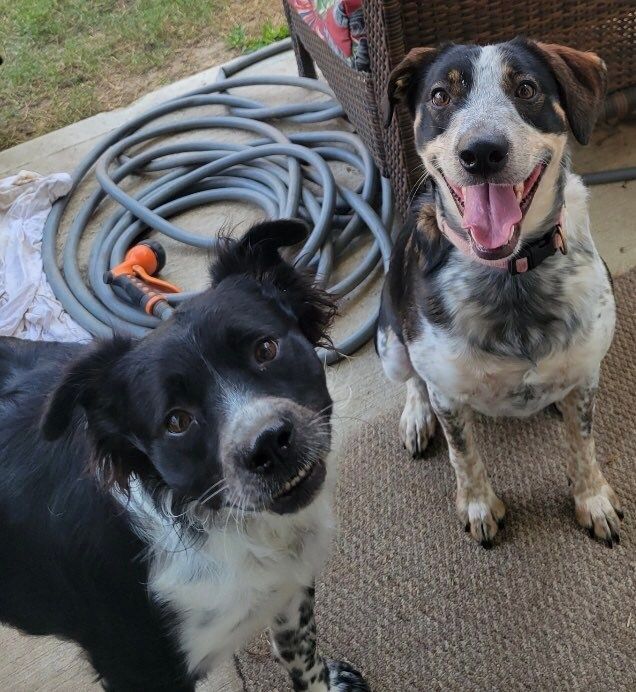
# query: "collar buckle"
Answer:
x=533 y=254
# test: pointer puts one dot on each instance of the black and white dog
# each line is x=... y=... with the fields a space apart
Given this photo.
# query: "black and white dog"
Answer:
x=163 y=500
x=497 y=299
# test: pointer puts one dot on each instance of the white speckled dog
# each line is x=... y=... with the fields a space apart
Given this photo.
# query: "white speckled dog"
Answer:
x=497 y=299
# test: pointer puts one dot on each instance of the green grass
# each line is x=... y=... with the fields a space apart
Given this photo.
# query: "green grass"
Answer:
x=239 y=39
x=65 y=60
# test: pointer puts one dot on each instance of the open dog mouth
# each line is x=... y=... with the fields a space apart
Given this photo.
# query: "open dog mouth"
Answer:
x=298 y=491
x=492 y=213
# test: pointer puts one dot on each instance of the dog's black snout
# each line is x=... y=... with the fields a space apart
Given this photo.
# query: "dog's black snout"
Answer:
x=484 y=156
x=272 y=447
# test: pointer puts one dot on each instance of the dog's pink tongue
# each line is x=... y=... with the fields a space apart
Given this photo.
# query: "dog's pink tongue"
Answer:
x=490 y=213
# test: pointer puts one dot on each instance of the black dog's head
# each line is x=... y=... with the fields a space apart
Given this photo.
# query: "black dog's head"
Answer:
x=226 y=403
x=491 y=128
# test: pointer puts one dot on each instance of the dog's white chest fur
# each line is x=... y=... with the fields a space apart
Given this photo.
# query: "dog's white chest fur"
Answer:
x=509 y=385
x=500 y=386
x=232 y=582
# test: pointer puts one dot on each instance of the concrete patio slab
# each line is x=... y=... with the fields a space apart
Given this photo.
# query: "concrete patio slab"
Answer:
x=44 y=664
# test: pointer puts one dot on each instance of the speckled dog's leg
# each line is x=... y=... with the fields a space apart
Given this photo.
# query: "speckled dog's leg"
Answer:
x=596 y=505
x=479 y=508
x=294 y=643
x=417 y=423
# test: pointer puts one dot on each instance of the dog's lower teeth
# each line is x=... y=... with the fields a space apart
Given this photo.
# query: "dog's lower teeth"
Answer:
x=300 y=476
x=519 y=191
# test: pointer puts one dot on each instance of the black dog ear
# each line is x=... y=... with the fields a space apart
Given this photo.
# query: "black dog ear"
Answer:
x=269 y=236
x=404 y=78
x=582 y=80
x=257 y=254
x=258 y=249
x=88 y=383
x=81 y=385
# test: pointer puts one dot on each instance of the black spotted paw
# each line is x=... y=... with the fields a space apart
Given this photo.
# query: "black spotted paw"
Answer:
x=344 y=678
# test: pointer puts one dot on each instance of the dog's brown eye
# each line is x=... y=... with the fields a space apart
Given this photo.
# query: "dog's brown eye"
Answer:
x=526 y=90
x=440 y=98
x=266 y=350
x=178 y=422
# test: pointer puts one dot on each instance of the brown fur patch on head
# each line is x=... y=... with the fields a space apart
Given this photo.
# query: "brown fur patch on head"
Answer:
x=455 y=83
x=402 y=79
x=582 y=81
x=454 y=76
x=559 y=111
x=427 y=222
x=509 y=78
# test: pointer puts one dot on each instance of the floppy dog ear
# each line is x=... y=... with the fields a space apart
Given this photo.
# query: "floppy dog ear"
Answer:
x=257 y=254
x=88 y=383
x=81 y=385
x=403 y=80
x=582 y=80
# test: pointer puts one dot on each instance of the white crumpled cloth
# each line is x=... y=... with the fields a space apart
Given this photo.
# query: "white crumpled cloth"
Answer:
x=28 y=308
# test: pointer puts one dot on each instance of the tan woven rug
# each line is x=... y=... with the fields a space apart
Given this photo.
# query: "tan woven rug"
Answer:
x=417 y=605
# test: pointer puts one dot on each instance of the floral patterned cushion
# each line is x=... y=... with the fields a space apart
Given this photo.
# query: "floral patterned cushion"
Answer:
x=340 y=24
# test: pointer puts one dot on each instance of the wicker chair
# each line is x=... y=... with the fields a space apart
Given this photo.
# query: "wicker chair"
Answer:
x=395 y=26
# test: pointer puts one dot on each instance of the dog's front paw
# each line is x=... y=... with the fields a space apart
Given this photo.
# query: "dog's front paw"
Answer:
x=344 y=678
x=600 y=513
x=417 y=425
x=482 y=516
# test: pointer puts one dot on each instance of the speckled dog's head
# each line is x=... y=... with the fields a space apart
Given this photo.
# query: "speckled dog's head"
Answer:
x=491 y=128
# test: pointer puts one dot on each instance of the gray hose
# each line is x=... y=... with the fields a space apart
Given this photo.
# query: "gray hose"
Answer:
x=619 y=175
x=284 y=174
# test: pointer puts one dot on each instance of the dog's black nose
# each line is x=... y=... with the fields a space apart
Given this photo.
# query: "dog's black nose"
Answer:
x=484 y=156
x=272 y=447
